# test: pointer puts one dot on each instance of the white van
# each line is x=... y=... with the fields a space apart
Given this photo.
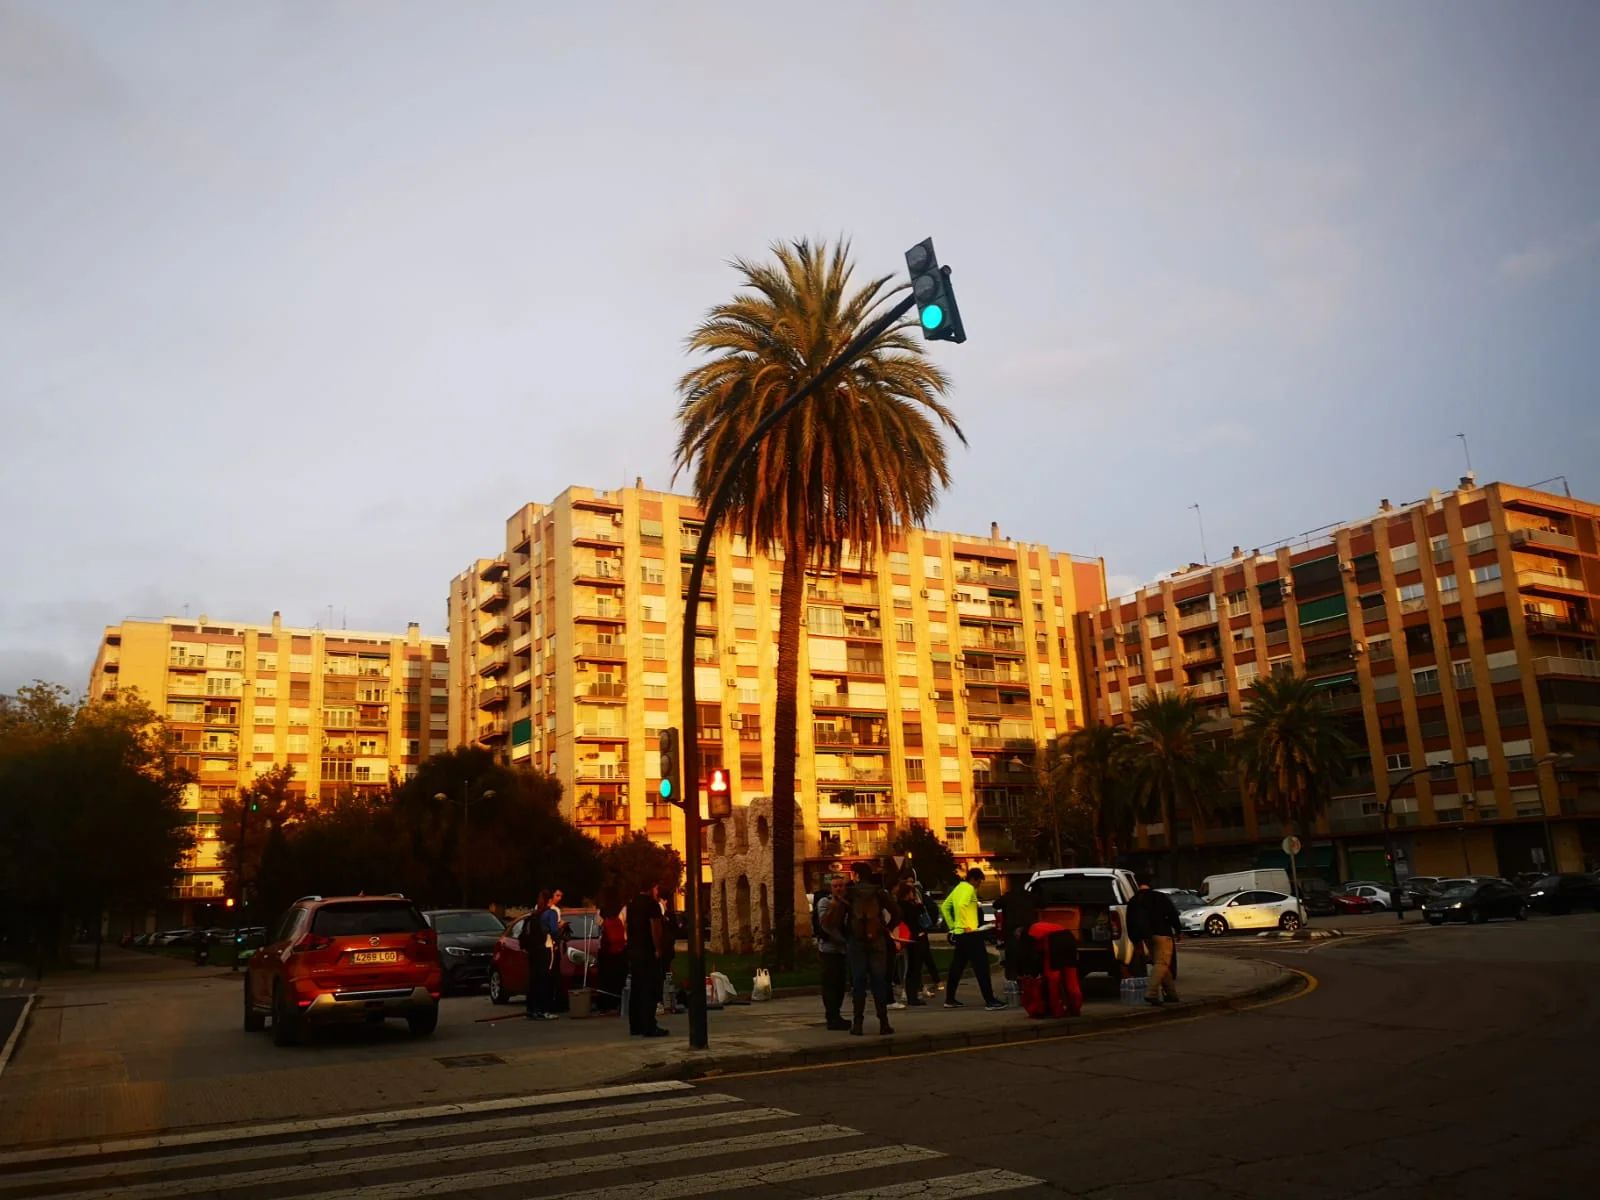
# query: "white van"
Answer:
x=1276 y=880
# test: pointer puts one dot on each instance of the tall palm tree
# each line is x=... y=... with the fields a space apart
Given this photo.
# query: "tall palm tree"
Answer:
x=1170 y=764
x=855 y=465
x=1291 y=750
x=1093 y=765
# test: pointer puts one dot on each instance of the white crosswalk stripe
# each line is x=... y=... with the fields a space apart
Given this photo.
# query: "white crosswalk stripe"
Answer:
x=606 y=1144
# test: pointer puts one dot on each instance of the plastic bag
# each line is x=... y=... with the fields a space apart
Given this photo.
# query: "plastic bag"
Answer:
x=762 y=990
x=722 y=987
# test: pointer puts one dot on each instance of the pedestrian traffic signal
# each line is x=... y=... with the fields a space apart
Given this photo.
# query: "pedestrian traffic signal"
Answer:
x=720 y=803
x=937 y=311
x=671 y=766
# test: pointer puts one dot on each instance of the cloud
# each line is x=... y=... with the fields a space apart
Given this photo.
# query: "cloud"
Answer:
x=1122 y=585
x=1543 y=259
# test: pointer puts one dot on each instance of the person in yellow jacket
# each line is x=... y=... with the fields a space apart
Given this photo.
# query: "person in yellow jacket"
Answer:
x=963 y=918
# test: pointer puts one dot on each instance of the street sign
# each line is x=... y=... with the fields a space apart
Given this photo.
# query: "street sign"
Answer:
x=1291 y=845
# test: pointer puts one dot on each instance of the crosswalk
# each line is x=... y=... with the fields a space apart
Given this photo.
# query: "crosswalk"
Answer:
x=655 y=1141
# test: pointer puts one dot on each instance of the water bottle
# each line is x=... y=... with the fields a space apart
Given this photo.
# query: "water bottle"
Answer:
x=1013 y=995
x=669 y=994
x=627 y=994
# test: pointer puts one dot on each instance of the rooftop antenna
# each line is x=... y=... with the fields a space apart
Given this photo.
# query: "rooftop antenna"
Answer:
x=1466 y=451
x=1205 y=557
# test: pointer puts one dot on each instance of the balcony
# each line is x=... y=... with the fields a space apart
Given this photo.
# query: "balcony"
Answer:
x=1556 y=712
x=1541 y=623
x=523 y=644
x=1581 y=668
x=603 y=691
x=600 y=570
x=520 y=610
x=599 y=733
x=492 y=633
x=187 y=662
x=859 y=597
x=494 y=731
x=496 y=663
x=596 y=535
x=602 y=772
x=860 y=666
x=601 y=651
x=523 y=680
x=1198 y=620
x=1202 y=654
x=599 y=612
x=493 y=597
x=1549 y=581
x=1533 y=538
x=869 y=631
x=851 y=847
x=987 y=576
x=1208 y=687
x=833 y=737
x=494 y=697
x=615 y=813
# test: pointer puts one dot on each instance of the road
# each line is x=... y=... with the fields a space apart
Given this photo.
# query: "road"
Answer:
x=1453 y=1062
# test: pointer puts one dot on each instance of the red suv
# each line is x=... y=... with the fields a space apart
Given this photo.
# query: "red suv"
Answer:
x=344 y=958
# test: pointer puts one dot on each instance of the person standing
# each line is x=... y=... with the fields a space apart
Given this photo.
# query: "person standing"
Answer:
x=962 y=917
x=919 y=954
x=832 y=909
x=669 y=948
x=872 y=915
x=644 y=962
x=555 y=940
x=1153 y=920
x=533 y=939
x=613 y=958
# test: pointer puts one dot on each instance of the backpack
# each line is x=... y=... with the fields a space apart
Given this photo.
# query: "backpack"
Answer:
x=866 y=913
x=816 y=920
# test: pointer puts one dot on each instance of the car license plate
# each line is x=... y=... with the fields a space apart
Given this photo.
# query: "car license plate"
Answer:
x=375 y=956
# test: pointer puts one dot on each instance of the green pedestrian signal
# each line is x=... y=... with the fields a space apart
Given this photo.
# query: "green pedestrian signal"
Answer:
x=937 y=312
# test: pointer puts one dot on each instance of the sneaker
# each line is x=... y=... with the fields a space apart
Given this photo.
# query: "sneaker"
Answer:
x=898 y=1004
x=952 y=1003
x=656 y=1032
x=995 y=1005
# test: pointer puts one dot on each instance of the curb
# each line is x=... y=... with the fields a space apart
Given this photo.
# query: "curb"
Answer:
x=16 y=1030
x=712 y=1065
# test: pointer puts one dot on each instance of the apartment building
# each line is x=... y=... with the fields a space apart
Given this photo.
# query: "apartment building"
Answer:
x=1455 y=633
x=929 y=675
x=345 y=709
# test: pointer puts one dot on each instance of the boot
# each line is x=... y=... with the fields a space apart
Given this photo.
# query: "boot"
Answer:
x=883 y=1020
x=855 y=1025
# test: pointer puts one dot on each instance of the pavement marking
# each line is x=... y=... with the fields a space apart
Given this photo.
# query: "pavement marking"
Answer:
x=765 y=1173
x=258 y=1132
x=1137 y=1026
x=945 y=1187
x=607 y=1160
x=296 y=1173
x=16 y=1032
x=129 y=1168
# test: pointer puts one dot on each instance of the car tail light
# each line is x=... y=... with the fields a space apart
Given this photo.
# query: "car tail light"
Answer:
x=311 y=941
x=424 y=938
x=1116 y=925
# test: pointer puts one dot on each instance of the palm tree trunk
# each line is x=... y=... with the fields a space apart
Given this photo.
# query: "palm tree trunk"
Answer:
x=791 y=607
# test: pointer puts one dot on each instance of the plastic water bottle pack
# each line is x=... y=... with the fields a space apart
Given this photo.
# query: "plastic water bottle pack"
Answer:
x=1133 y=989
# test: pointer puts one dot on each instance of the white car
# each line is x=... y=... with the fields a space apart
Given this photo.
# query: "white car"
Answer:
x=1244 y=910
x=1379 y=896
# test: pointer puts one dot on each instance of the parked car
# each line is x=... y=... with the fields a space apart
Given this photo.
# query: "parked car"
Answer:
x=1316 y=897
x=344 y=959
x=1379 y=896
x=1526 y=879
x=1182 y=898
x=1476 y=902
x=1562 y=893
x=466 y=939
x=1417 y=889
x=1349 y=904
x=1257 y=909
x=1274 y=879
x=508 y=969
x=1093 y=902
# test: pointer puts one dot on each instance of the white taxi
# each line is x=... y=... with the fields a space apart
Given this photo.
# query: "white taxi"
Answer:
x=1244 y=910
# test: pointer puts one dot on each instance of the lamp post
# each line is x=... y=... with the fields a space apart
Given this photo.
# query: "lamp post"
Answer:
x=466 y=812
x=1388 y=841
x=1550 y=760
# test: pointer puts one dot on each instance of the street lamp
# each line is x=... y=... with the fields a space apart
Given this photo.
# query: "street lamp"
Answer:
x=1550 y=760
x=1388 y=840
x=466 y=802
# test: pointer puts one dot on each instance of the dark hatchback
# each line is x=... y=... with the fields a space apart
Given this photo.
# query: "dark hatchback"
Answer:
x=1476 y=903
x=1563 y=893
x=466 y=944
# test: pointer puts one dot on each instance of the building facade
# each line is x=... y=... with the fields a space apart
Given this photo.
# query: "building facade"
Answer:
x=929 y=676
x=1455 y=633
x=344 y=709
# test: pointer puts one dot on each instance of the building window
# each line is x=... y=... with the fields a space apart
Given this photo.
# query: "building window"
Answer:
x=914 y=770
x=1398 y=762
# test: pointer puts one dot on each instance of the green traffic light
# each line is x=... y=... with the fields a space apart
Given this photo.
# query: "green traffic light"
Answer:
x=666 y=789
x=932 y=317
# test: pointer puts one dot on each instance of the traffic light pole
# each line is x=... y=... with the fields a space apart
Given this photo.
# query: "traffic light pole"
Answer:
x=238 y=877
x=690 y=748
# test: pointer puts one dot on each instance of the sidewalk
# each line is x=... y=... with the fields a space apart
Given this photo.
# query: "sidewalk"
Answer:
x=113 y=1061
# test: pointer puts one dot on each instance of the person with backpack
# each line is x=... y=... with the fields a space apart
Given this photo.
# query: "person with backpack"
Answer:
x=962 y=918
x=829 y=912
x=1153 y=922
x=872 y=915
x=919 y=954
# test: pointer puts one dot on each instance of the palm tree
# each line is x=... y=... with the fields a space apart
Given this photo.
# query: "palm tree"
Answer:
x=852 y=467
x=1092 y=764
x=1170 y=764
x=1291 y=750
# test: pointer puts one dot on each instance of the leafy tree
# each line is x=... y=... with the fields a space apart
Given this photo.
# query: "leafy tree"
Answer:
x=1171 y=766
x=634 y=862
x=934 y=863
x=852 y=467
x=263 y=808
x=1291 y=751
x=1096 y=768
x=1056 y=821
x=91 y=811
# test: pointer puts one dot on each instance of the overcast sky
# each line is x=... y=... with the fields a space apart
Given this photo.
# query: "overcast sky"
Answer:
x=299 y=301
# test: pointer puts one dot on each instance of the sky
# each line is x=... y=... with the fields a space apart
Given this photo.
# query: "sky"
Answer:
x=298 y=302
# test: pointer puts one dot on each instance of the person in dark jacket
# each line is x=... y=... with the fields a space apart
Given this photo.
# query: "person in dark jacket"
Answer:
x=1153 y=920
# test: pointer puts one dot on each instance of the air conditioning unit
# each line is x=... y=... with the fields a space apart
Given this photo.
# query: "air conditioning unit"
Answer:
x=736 y=720
x=1286 y=586
x=616 y=519
x=1040 y=702
x=1358 y=648
x=964 y=731
x=965 y=694
x=732 y=682
x=1348 y=566
x=933 y=695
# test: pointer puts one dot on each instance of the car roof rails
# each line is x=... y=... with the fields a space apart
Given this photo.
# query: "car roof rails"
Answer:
x=305 y=899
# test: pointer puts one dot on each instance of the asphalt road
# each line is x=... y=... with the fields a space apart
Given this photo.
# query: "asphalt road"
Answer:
x=1451 y=1062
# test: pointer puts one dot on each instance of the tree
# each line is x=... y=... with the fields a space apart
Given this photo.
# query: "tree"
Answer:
x=853 y=467
x=1171 y=766
x=1080 y=808
x=931 y=859
x=1291 y=751
x=91 y=811
x=264 y=807
x=634 y=862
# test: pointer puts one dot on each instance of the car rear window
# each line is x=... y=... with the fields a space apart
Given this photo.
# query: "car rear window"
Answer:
x=358 y=917
x=1075 y=889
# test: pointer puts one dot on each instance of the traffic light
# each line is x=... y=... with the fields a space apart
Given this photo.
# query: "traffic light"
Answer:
x=937 y=311
x=255 y=806
x=228 y=903
x=720 y=803
x=671 y=766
